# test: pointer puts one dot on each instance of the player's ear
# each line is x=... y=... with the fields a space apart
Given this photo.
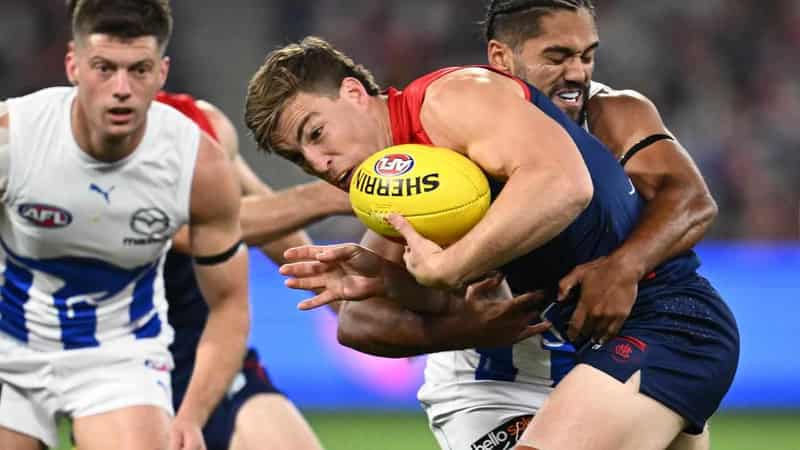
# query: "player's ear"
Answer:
x=163 y=71
x=500 y=56
x=352 y=89
x=71 y=64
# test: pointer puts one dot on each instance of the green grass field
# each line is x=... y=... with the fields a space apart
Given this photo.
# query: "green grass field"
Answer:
x=409 y=431
x=398 y=431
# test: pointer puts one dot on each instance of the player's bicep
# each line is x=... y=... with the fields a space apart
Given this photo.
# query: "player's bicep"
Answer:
x=220 y=257
x=652 y=157
x=214 y=208
x=501 y=130
x=661 y=163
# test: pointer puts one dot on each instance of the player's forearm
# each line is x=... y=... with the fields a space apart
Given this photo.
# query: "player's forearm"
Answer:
x=274 y=250
x=383 y=328
x=265 y=218
x=533 y=208
x=219 y=357
x=674 y=221
x=401 y=288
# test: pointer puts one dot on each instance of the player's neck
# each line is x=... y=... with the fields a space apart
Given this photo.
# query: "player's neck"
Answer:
x=384 y=120
x=100 y=146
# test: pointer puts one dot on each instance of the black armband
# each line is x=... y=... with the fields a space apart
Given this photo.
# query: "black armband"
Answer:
x=649 y=140
x=219 y=257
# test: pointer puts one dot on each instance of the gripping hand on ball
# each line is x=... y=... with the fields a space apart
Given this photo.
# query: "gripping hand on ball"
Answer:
x=334 y=273
x=423 y=257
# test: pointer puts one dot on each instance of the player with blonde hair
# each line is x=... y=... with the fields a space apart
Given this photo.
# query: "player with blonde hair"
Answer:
x=311 y=104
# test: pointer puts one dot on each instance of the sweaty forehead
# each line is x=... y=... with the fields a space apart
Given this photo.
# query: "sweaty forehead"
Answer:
x=564 y=28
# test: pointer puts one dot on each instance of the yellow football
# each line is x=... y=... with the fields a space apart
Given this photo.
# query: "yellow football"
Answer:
x=441 y=192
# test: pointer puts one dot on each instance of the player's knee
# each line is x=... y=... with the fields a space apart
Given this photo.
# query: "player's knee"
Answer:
x=252 y=414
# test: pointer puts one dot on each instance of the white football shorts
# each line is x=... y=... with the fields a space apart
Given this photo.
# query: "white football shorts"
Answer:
x=480 y=415
x=36 y=387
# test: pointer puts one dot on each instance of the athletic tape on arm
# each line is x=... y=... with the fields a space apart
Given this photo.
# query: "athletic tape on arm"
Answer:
x=219 y=257
x=649 y=140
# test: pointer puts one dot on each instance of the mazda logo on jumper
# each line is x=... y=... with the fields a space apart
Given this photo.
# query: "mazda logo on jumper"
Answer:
x=151 y=223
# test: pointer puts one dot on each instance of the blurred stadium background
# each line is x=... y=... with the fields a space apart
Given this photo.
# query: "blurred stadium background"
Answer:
x=725 y=75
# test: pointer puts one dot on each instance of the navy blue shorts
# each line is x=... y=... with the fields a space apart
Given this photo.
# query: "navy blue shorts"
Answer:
x=252 y=380
x=685 y=342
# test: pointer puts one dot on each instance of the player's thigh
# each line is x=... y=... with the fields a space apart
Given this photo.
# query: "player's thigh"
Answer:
x=25 y=419
x=589 y=409
x=686 y=441
x=142 y=427
x=13 y=440
x=271 y=417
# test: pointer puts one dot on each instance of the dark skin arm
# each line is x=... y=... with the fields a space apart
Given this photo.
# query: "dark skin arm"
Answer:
x=372 y=323
x=678 y=213
x=383 y=328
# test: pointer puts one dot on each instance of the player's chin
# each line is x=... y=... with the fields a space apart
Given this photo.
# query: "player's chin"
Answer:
x=571 y=109
x=121 y=128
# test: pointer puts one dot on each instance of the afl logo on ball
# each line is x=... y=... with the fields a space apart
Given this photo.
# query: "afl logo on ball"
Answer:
x=394 y=165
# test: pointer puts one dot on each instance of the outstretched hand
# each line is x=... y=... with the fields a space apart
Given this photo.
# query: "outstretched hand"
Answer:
x=606 y=298
x=334 y=272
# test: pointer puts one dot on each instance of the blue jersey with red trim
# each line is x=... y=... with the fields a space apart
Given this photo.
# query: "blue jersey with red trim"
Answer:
x=602 y=227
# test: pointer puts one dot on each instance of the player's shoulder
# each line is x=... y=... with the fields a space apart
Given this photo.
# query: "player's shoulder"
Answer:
x=208 y=108
x=168 y=112
x=3 y=114
x=38 y=100
x=457 y=85
x=474 y=77
x=170 y=123
x=224 y=128
x=49 y=93
x=622 y=117
x=219 y=120
x=610 y=102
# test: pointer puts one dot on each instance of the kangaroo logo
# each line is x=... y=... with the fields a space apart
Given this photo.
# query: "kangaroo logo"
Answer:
x=95 y=188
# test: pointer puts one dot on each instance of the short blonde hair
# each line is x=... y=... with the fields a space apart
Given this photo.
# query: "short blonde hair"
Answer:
x=313 y=66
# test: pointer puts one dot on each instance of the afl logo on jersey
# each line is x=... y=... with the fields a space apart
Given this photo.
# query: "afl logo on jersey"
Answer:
x=45 y=216
x=394 y=165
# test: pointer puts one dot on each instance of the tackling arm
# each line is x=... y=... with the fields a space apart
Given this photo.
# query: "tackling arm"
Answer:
x=679 y=208
x=486 y=316
x=678 y=213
